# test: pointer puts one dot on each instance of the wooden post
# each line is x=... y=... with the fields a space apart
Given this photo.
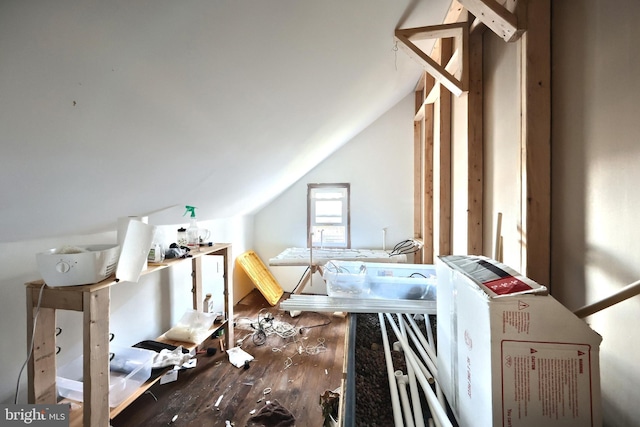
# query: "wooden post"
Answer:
x=41 y=369
x=96 y=357
x=475 y=147
x=536 y=144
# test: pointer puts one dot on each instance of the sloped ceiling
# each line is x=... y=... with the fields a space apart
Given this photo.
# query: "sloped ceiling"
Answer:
x=121 y=107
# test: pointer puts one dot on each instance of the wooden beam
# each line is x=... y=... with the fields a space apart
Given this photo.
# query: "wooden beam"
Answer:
x=456 y=13
x=475 y=148
x=96 y=357
x=478 y=26
x=434 y=31
x=41 y=369
x=454 y=85
x=496 y=17
x=444 y=107
x=417 y=168
x=433 y=95
x=536 y=144
x=427 y=209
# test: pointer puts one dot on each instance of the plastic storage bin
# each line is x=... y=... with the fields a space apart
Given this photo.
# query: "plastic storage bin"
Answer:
x=352 y=279
x=402 y=281
x=346 y=279
x=129 y=369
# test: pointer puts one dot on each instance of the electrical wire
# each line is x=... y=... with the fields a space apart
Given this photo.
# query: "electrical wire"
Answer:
x=325 y=323
x=408 y=246
x=30 y=353
x=300 y=281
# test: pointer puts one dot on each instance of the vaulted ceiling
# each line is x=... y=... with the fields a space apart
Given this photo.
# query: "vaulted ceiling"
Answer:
x=138 y=107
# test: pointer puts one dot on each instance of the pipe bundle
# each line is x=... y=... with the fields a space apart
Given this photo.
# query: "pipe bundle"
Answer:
x=421 y=369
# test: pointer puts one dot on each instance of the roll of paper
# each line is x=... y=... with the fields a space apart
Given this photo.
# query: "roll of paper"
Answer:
x=123 y=223
x=134 y=239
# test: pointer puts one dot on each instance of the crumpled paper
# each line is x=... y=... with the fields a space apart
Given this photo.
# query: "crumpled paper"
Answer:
x=237 y=357
x=168 y=357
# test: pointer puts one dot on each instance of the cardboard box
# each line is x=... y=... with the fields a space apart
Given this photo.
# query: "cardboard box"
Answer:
x=509 y=354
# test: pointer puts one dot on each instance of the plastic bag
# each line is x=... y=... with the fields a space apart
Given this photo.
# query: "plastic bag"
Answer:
x=193 y=327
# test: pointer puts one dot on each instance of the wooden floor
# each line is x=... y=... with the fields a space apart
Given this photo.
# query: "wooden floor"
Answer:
x=288 y=367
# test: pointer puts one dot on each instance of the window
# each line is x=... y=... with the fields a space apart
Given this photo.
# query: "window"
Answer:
x=328 y=220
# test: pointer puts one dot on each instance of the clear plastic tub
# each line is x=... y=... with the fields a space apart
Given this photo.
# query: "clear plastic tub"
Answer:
x=129 y=368
x=402 y=281
x=352 y=279
x=346 y=279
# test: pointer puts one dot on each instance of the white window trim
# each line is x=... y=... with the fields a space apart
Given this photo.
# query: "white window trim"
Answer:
x=346 y=210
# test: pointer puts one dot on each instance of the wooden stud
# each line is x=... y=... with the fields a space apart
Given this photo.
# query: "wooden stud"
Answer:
x=41 y=369
x=417 y=169
x=536 y=144
x=228 y=297
x=496 y=242
x=475 y=148
x=196 y=277
x=427 y=179
x=496 y=17
x=96 y=357
x=444 y=107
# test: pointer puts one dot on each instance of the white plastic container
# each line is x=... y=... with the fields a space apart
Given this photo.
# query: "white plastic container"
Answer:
x=81 y=265
x=346 y=279
x=402 y=281
x=129 y=368
x=353 y=279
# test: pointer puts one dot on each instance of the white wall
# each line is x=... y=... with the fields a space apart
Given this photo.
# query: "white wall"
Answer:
x=501 y=147
x=379 y=165
x=595 y=176
x=139 y=311
x=459 y=176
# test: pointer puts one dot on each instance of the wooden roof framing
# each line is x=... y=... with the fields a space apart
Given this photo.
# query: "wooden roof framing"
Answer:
x=461 y=74
x=453 y=75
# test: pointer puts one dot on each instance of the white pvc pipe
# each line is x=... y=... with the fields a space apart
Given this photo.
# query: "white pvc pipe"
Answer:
x=384 y=239
x=404 y=398
x=413 y=387
x=422 y=350
x=437 y=410
x=393 y=387
x=427 y=347
x=422 y=367
x=429 y=332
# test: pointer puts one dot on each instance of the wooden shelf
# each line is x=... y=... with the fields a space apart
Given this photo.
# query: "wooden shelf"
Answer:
x=94 y=302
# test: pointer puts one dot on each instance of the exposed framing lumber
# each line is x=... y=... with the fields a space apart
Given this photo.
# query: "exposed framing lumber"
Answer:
x=444 y=145
x=458 y=31
x=418 y=174
x=475 y=148
x=536 y=142
x=496 y=17
x=535 y=176
x=427 y=186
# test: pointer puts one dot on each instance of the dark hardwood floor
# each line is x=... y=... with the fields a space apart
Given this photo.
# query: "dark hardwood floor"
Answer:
x=295 y=370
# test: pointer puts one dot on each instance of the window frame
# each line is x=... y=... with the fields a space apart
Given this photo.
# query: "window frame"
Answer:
x=347 y=212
